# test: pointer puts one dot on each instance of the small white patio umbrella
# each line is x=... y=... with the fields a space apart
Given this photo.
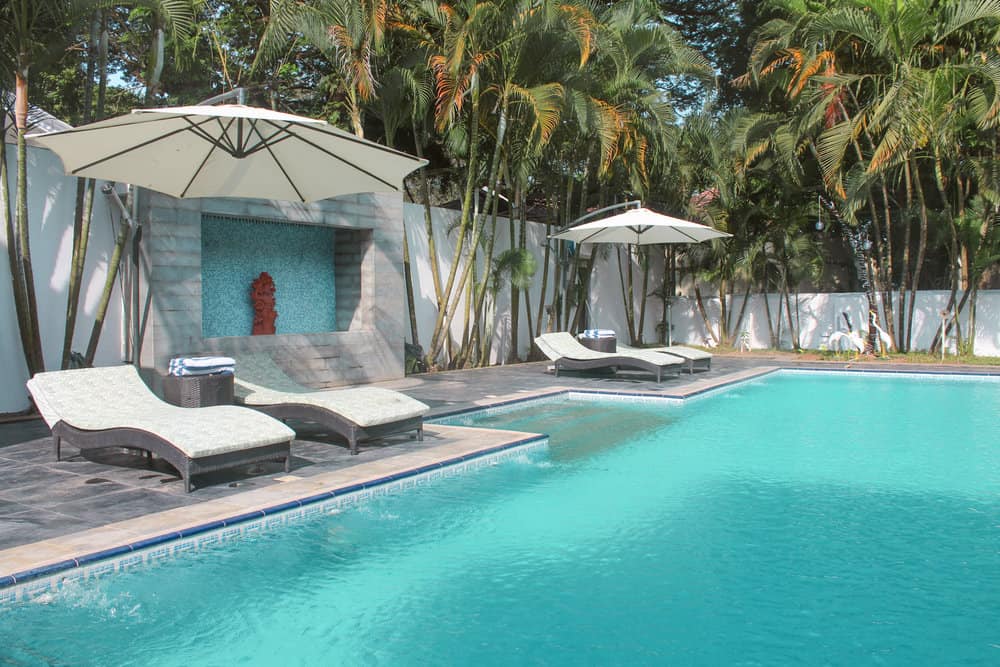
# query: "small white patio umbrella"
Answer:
x=639 y=226
x=229 y=151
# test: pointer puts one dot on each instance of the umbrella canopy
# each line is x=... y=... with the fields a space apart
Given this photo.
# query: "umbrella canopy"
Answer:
x=640 y=226
x=230 y=151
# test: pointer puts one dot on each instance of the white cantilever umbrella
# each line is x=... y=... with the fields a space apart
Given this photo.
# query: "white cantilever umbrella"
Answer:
x=229 y=151
x=639 y=226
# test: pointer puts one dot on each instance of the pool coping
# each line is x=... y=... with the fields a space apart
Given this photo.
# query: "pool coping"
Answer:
x=319 y=489
x=707 y=385
x=326 y=487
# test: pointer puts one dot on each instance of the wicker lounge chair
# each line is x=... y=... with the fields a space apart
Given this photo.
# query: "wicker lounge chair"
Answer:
x=356 y=414
x=695 y=358
x=569 y=354
x=93 y=408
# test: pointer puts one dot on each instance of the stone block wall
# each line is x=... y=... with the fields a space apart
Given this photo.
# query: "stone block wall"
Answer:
x=371 y=308
x=352 y=264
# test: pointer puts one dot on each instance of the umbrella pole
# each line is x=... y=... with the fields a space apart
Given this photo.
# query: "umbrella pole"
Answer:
x=130 y=291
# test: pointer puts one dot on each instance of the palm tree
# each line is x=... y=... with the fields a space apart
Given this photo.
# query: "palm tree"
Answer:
x=173 y=19
x=32 y=26
x=873 y=75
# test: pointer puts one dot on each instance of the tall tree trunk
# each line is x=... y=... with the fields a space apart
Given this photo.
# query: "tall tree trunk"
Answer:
x=493 y=180
x=114 y=264
x=904 y=281
x=883 y=275
x=515 y=292
x=157 y=49
x=921 y=251
x=724 y=312
x=584 y=301
x=84 y=204
x=625 y=280
x=771 y=330
x=547 y=256
x=411 y=304
x=792 y=331
x=704 y=315
x=739 y=317
x=13 y=255
x=484 y=286
x=35 y=360
x=425 y=190
x=643 y=298
x=447 y=309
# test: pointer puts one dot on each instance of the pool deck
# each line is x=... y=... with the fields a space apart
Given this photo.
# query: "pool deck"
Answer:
x=53 y=512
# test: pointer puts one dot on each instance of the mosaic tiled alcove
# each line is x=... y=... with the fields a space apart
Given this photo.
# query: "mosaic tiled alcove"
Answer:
x=366 y=312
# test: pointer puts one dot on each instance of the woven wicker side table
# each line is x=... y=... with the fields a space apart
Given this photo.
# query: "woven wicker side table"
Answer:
x=602 y=344
x=198 y=391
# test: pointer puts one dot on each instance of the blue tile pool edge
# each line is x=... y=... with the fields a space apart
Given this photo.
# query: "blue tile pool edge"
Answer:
x=28 y=584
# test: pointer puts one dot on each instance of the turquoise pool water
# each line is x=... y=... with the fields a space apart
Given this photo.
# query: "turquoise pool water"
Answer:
x=796 y=520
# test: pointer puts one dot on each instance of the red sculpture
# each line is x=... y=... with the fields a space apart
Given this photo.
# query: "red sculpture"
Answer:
x=262 y=296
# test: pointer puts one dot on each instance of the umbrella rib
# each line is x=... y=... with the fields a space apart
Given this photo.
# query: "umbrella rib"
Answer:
x=214 y=142
x=277 y=162
x=89 y=128
x=221 y=141
x=350 y=137
x=270 y=140
x=337 y=157
x=693 y=239
x=130 y=149
x=212 y=146
x=587 y=238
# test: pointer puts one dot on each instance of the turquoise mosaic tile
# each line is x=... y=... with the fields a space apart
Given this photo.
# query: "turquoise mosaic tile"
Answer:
x=299 y=258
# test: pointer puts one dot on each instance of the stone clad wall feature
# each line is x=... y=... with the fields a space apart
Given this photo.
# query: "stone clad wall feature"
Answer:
x=370 y=306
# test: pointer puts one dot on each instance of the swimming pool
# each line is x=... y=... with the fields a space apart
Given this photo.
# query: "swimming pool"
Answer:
x=819 y=518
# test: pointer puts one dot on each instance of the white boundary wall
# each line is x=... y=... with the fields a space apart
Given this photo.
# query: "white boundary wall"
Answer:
x=51 y=201
x=819 y=314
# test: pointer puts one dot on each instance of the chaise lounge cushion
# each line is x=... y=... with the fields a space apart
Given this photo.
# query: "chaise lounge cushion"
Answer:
x=260 y=382
x=690 y=353
x=97 y=399
x=562 y=345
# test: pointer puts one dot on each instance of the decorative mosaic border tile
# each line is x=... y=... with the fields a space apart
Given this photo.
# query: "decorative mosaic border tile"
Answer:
x=51 y=578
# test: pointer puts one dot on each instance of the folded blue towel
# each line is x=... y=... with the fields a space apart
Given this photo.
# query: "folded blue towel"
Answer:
x=598 y=333
x=201 y=365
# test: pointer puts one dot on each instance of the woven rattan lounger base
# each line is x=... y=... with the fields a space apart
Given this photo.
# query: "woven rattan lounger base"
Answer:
x=353 y=433
x=133 y=438
x=613 y=363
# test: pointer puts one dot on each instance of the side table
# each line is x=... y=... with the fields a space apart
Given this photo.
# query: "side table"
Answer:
x=602 y=344
x=198 y=391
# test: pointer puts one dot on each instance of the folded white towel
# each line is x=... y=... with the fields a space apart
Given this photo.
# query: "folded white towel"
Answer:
x=218 y=370
x=598 y=333
x=201 y=365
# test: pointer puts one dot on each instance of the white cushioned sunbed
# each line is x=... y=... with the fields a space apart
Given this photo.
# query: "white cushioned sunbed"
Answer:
x=92 y=408
x=359 y=413
x=569 y=354
x=693 y=356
